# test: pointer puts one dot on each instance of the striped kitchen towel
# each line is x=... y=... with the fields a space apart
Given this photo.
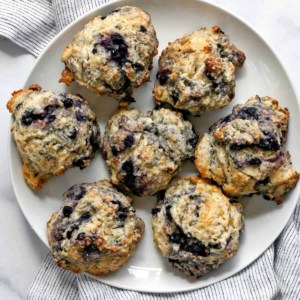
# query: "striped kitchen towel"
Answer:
x=274 y=275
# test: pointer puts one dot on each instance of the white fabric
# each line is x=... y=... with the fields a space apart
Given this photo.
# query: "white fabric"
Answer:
x=275 y=275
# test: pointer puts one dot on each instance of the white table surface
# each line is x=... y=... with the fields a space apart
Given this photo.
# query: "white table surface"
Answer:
x=21 y=251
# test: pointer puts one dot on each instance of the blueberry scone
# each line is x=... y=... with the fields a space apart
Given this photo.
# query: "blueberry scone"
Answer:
x=196 y=227
x=144 y=151
x=113 y=53
x=53 y=132
x=244 y=152
x=197 y=72
x=96 y=229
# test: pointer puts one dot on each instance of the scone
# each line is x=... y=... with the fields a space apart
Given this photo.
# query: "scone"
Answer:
x=196 y=227
x=112 y=54
x=244 y=152
x=96 y=229
x=53 y=132
x=144 y=151
x=197 y=72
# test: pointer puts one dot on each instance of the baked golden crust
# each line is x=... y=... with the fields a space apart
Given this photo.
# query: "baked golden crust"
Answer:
x=112 y=54
x=53 y=132
x=196 y=226
x=244 y=152
x=95 y=230
x=197 y=72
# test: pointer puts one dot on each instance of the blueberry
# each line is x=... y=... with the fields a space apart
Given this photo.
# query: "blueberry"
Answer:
x=51 y=118
x=116 y=46
x=143 y=29
x=80 y=163
x=215 y=246
x=114 y=150
x=236 y=146
x=122 y=211
x=80 y=116
x=103 y=18
x=260 y=183
x=269 y=143
x=76 y=192
x=69 y=234
x=67 y=210
x=254 y=161
x=247 y=113
x=84 y=217
x=72 y=134
x=125 y=89
x=155 y=211
x=80 y=236
x=129 y=140
x=91 y=252
x=27 y=118
x=193 y=140
x=128 y=169
x=209 y=76
x=94 y=142
x=163 y=76
x=175 y=96
x=176 y=238
x=94 y=51
x=138 y=67
x=68 y=102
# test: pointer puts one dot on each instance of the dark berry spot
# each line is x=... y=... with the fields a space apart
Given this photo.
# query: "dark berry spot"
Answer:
x=80 y=163
x=260 y=183
x=67 y=210
x=209 y=76
x=51 y=118
x=247 y=113
x=114 y=150
x=175 y=96
x=103 y=18
x=215 y=246
x=163 y=76
x=266 y=197
x=73 y=133
x=129 y=140
x=94 y=51
x=68 y=102
x=138 y=67
x=84 y=216
x=27 y=118
x=94 y=142
x=76 y=192
x=155 y=211
x=115 y=46
x=143 y=29
x=189 y=244
x=128 y=168
x=193 y=140
x=269 y=143
x=122 y=211
x=254 y=161
x=69 y=234
x=80 y=116
x=80 y=236
x=125 y=89
x=236 y=146
x=91 y=252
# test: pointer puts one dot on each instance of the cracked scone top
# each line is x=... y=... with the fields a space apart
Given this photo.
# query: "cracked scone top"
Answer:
x=197 y=72
x=144 y=151
x=195 y=226
x=96 y=229
x=244 y=152
x=53 y=132
x=113 y=53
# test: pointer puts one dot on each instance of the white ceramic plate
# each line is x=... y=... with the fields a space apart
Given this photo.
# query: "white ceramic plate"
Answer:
x=262 y=74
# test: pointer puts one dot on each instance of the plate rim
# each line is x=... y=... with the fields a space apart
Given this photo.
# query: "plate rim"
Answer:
x=25 y=86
